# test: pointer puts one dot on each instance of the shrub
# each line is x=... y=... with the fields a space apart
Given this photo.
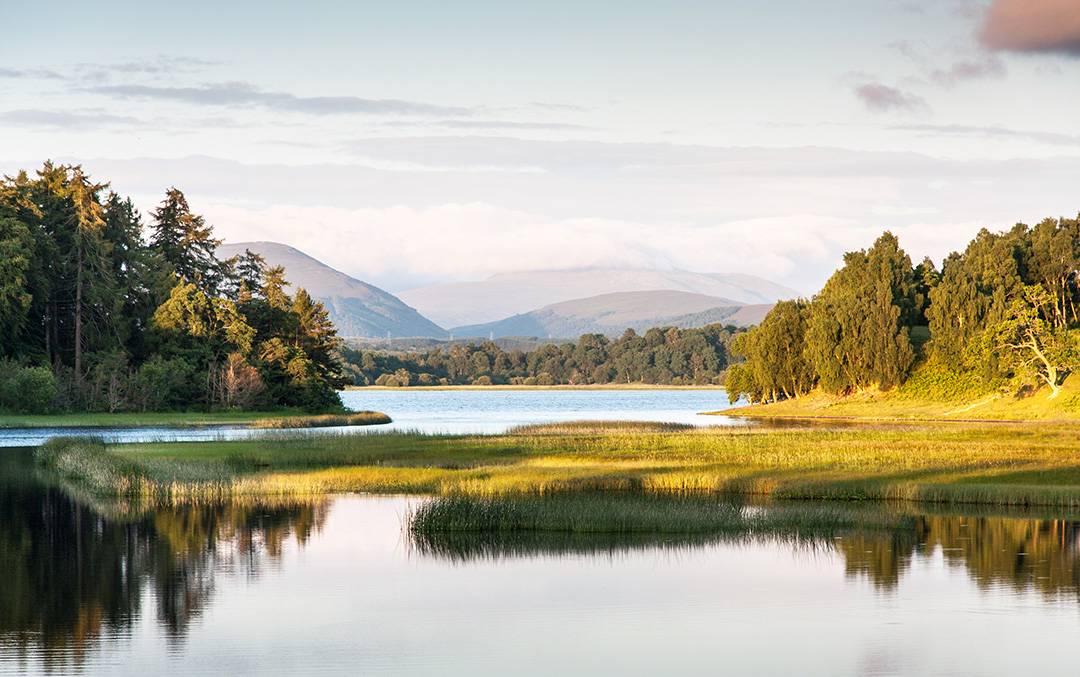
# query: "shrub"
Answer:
x=29 y=390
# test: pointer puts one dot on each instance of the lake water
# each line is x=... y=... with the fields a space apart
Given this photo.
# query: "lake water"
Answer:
x=337 y=585
x=455 y=412
x=493 y=411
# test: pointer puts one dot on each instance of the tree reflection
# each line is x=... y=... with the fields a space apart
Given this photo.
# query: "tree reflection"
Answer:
x=1022 y=553
x=72 y=578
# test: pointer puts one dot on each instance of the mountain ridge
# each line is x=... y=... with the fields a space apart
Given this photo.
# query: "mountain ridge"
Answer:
x=505 y=295
x=357 y=309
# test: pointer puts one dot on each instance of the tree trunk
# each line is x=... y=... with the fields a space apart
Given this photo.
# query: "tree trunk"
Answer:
x=78 y=310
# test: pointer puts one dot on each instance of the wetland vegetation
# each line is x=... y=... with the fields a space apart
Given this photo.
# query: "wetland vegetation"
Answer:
x=995 y=464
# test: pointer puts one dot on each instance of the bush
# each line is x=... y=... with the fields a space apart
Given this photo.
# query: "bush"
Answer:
x=482 y=381
x=26 y=390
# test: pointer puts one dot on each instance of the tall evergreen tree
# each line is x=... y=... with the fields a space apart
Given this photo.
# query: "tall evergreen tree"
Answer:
x=186 y=242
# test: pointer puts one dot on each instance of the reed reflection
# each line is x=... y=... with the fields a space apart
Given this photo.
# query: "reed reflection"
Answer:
x=875 y=541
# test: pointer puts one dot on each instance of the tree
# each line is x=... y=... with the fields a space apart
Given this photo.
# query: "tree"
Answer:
x=1033 y=339
x=777 y=367
x=857 y=329
x=186 y=242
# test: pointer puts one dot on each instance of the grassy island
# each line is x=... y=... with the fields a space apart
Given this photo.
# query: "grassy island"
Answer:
x=979 y=463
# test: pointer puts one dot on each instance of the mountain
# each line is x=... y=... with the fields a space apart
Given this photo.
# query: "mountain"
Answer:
x=357 y=308
x=612 y=313
x=507 y=294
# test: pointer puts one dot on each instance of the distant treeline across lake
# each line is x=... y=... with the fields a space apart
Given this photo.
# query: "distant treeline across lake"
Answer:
x=662 y=356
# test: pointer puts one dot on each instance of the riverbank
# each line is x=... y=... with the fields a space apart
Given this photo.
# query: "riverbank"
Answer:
x=898 y=405
x=1002 y=464
x=180 y=420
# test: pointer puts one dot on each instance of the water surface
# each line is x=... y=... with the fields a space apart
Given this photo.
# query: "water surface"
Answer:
x=335 y=585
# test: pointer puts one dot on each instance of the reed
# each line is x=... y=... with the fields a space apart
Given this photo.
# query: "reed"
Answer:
x=1022 y=464
x=325 y=420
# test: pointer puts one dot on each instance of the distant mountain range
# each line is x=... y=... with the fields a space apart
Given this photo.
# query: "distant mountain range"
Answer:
x=612 y=313
x=502 y=296
x=559 y=304
x=357 y=309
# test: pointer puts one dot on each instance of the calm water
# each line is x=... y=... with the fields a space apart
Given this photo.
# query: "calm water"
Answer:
x=493 y=411
x=334 y=586
x=445 y=412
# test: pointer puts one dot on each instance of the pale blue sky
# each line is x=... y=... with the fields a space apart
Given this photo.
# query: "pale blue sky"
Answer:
x=454 y=140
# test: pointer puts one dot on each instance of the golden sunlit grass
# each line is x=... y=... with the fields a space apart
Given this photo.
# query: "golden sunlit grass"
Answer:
x=1015 y=464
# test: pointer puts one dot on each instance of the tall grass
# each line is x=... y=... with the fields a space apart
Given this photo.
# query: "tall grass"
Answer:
x=466 y=528
x=995 y=464
x=325 y=420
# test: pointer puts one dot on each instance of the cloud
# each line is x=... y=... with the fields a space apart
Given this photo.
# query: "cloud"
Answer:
x=988 y=66
x=1032 y=26
x=35 y=118
x=469 y=241
x=994 y=132
x=882 y=98
x=30 y=73
x=245 y=94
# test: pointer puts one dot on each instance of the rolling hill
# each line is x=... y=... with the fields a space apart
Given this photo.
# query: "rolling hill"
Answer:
x=463 y=304
x=612 y=313
x=357 y=309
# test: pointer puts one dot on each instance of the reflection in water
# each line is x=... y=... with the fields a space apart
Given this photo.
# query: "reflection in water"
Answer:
x=1024 y=553
x=71 y=577
x=1039 y=554
x=75 y=580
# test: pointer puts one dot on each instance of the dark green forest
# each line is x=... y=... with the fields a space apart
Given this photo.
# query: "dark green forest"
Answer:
x=100 y=311
x=1003 y=314
x=667 y=356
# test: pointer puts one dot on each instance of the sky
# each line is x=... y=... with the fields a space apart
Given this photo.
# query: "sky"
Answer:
x=412 y=142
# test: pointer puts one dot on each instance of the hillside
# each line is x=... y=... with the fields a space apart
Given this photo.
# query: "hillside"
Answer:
x=505 y=295
x=357 y=309
x=612 y=313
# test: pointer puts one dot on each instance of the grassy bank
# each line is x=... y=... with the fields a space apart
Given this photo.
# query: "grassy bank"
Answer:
x=254 y=419
x=904 y=404
x=999 y=464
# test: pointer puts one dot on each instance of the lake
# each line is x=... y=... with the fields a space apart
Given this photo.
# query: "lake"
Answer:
x=444 y=411
x=338 y=585
x=335 y=586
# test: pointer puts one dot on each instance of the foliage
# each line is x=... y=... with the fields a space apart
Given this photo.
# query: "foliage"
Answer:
x=857 y=333
x=777 y=367
x=667 y=356
x=125 y=324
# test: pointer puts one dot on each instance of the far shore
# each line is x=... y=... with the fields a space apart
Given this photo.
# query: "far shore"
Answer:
x=173 y=419
x=601 y=386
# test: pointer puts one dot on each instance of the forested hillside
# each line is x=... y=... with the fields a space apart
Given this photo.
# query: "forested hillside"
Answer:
x=100 y=311
x=667 y=356
x=1005 y=313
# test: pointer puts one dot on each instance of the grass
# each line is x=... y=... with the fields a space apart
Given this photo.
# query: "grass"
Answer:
x=462 y=528
x=993 y=464
x=325 y=420
x=931 y=394
x=257 y=419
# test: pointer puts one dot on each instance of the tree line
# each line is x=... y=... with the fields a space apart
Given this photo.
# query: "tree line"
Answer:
x=1005 y=313
x=668 y=356
x=101 y=312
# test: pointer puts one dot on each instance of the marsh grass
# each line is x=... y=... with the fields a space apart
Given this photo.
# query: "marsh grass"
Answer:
x=1021 y=465
x=461 y=528
x=325 y=420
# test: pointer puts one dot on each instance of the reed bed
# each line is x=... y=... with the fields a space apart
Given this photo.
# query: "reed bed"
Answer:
x=325 y=420
x=460 y=528
x=1030 y=464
